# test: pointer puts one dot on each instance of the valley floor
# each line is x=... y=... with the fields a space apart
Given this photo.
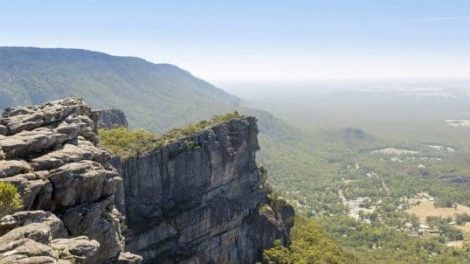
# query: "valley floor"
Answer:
x=392 y=194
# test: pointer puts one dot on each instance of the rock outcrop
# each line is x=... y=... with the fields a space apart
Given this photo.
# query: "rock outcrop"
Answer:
x=110 y=118
x=198 y=199
x=49 y=152
x=202 y=199
x=27 y=237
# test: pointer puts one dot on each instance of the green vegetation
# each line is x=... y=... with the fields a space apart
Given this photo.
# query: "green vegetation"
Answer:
x=195 y=128
x=387 y=234
x=310 y=244
x=446 y=231
x=329 y=172
x=461 y=219
x=128 y=143
x=155 y=97
x=341 y=239
x=320 y=160
x=378 y=243
x=10 y=200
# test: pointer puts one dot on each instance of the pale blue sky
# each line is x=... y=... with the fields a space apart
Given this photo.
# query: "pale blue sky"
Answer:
x=258 y=40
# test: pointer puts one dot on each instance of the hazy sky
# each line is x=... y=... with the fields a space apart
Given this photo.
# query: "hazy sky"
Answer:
x=258 y=40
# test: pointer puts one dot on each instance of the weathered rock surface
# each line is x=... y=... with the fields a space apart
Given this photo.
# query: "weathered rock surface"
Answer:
x=27 y=237
x=129 y=258
x=19 y=219
x=49 y=152
x=110 y=118
x=13 y=167
x=198 y=200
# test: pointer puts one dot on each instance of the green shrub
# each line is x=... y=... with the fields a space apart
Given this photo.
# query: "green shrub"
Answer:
x=128 y=143
x=195 y=128
x=10 y=200
x=461 y=219
x=451 y=233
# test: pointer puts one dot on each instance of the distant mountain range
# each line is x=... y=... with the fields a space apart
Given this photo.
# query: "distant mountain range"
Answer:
x=153 y=96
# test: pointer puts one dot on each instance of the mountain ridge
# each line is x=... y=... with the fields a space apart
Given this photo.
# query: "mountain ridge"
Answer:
x=166 y=92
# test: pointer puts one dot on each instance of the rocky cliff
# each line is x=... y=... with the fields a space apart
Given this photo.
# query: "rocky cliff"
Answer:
x=69 y=190
x=195 y=199
x=109 y=118
x=202 y=199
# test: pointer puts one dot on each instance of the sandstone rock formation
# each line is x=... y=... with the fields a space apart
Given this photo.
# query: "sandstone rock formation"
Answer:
x=198 y=199
x=202 y=199
x=27 y=237
x=110 y=118
x=49 y=152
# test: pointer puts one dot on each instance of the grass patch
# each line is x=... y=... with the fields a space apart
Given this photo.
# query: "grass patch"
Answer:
x=128 y=143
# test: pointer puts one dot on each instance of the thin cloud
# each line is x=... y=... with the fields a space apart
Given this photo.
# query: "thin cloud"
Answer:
x=431 y=19
x=447 y=18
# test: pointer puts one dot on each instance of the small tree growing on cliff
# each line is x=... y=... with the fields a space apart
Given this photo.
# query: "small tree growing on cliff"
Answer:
x=10 y=200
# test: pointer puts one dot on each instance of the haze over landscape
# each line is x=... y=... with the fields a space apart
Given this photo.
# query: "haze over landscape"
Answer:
x=258 y=40
x=362 y=130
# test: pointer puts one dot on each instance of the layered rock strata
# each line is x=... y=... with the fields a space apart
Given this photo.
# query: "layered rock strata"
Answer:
x=50 y=153
x=202 y=199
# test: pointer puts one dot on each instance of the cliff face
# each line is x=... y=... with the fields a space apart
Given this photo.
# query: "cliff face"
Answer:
x=109 y=118
x=199 y=199
x=202 y=199
x=49 y=152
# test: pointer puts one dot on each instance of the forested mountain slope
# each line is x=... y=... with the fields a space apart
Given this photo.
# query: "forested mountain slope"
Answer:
x=155 y=96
